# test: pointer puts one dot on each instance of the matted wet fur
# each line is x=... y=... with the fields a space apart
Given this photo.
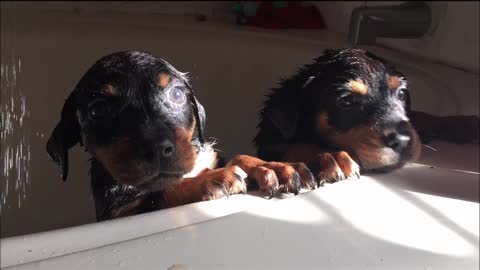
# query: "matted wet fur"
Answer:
x=346 y=112
x=139 y=119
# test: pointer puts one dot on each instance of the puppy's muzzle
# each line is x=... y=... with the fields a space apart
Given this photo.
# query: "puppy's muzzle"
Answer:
x=399 y=138
x=164 y=149
x=157 y=143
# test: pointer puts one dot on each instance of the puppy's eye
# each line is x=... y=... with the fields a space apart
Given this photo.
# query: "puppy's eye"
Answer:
x=98 y=109
x=402 y=94
x=177 y=95
x=345 y=101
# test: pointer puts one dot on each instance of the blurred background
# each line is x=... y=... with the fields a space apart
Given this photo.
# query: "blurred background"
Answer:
x=233 y=51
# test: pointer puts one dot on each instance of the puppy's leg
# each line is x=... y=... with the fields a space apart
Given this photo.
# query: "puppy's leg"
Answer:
x=208 y=185
x=273 y=177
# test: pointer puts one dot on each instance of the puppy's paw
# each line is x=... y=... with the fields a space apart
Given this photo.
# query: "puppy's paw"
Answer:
x=307 y=180
x=333 y=167
x=348 y=166
x=223 y=182
x=280 y=177
x=275 y=177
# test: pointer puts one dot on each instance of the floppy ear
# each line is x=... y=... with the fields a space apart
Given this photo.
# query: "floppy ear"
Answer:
x=198 y=110
x=284 y=117
x=65 y=135
x=284 y=109
x=201 y=118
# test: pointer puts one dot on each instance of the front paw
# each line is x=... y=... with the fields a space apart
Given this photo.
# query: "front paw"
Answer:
x=276 y=177
x=333 y=167
x=223 y=182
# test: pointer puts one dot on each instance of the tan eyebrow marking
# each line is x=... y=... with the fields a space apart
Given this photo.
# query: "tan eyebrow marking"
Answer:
x=163 y=80
x=393 y=82
x=109 y=90
x=322 y=122
x=358 y=86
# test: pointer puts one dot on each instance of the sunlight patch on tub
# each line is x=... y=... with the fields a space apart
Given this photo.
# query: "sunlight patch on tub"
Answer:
x=224 y=206
x=297 y=210
x=469 y=172
x=419 y=229
x=457 y=212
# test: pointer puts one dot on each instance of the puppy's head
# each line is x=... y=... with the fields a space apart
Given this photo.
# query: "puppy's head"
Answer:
x=360 y=103
x=137 y=116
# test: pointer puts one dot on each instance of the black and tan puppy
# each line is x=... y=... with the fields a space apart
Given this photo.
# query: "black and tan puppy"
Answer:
x=345 y=112
x=139 y=119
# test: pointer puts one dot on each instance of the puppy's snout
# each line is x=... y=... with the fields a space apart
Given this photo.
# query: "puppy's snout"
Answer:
x=160 y=151
x=399 y=137
x=166 y=148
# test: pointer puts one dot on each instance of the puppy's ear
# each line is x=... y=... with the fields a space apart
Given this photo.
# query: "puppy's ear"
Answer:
x=284 y=117
x=284 y=106
x=65 y=135
x=284 y=109
x=201 y=118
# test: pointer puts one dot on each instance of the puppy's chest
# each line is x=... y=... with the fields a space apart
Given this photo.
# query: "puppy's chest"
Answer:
x=206 y=159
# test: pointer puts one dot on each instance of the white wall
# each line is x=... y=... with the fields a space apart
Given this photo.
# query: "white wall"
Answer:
x=454 y=39
x=159 y=7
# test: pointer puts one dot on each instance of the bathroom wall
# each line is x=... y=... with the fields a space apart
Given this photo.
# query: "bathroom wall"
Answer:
x=453 y=39
x=454 y=36
x=155 y=7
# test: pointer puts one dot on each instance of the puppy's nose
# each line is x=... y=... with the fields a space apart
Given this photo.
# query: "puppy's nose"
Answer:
x=161 y=150
x=399 y=137
x=167 y=149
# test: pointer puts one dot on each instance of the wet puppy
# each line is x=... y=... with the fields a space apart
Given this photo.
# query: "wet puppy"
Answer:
x=139 y=119
x=344 y=113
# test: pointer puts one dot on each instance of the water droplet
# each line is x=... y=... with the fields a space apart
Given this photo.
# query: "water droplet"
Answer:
x=14 y=125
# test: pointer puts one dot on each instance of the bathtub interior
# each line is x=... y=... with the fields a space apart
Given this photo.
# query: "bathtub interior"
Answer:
x=231 y=70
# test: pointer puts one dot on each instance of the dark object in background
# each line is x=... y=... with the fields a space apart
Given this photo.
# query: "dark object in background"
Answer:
x=200 y=18
x=278 y=14
x=411 y=19
x=456 y=129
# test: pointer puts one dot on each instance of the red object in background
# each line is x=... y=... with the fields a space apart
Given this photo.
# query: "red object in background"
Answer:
x=294 y=15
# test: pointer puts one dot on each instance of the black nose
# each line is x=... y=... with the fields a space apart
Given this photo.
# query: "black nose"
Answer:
x=164 y=149
x=398 y=138
x=167 y=149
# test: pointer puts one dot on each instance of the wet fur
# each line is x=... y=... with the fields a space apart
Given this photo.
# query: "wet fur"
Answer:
x=134 y=87
x=303 y=111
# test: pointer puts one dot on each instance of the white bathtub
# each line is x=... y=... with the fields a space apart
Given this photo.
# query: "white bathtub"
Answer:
x=234 y=65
